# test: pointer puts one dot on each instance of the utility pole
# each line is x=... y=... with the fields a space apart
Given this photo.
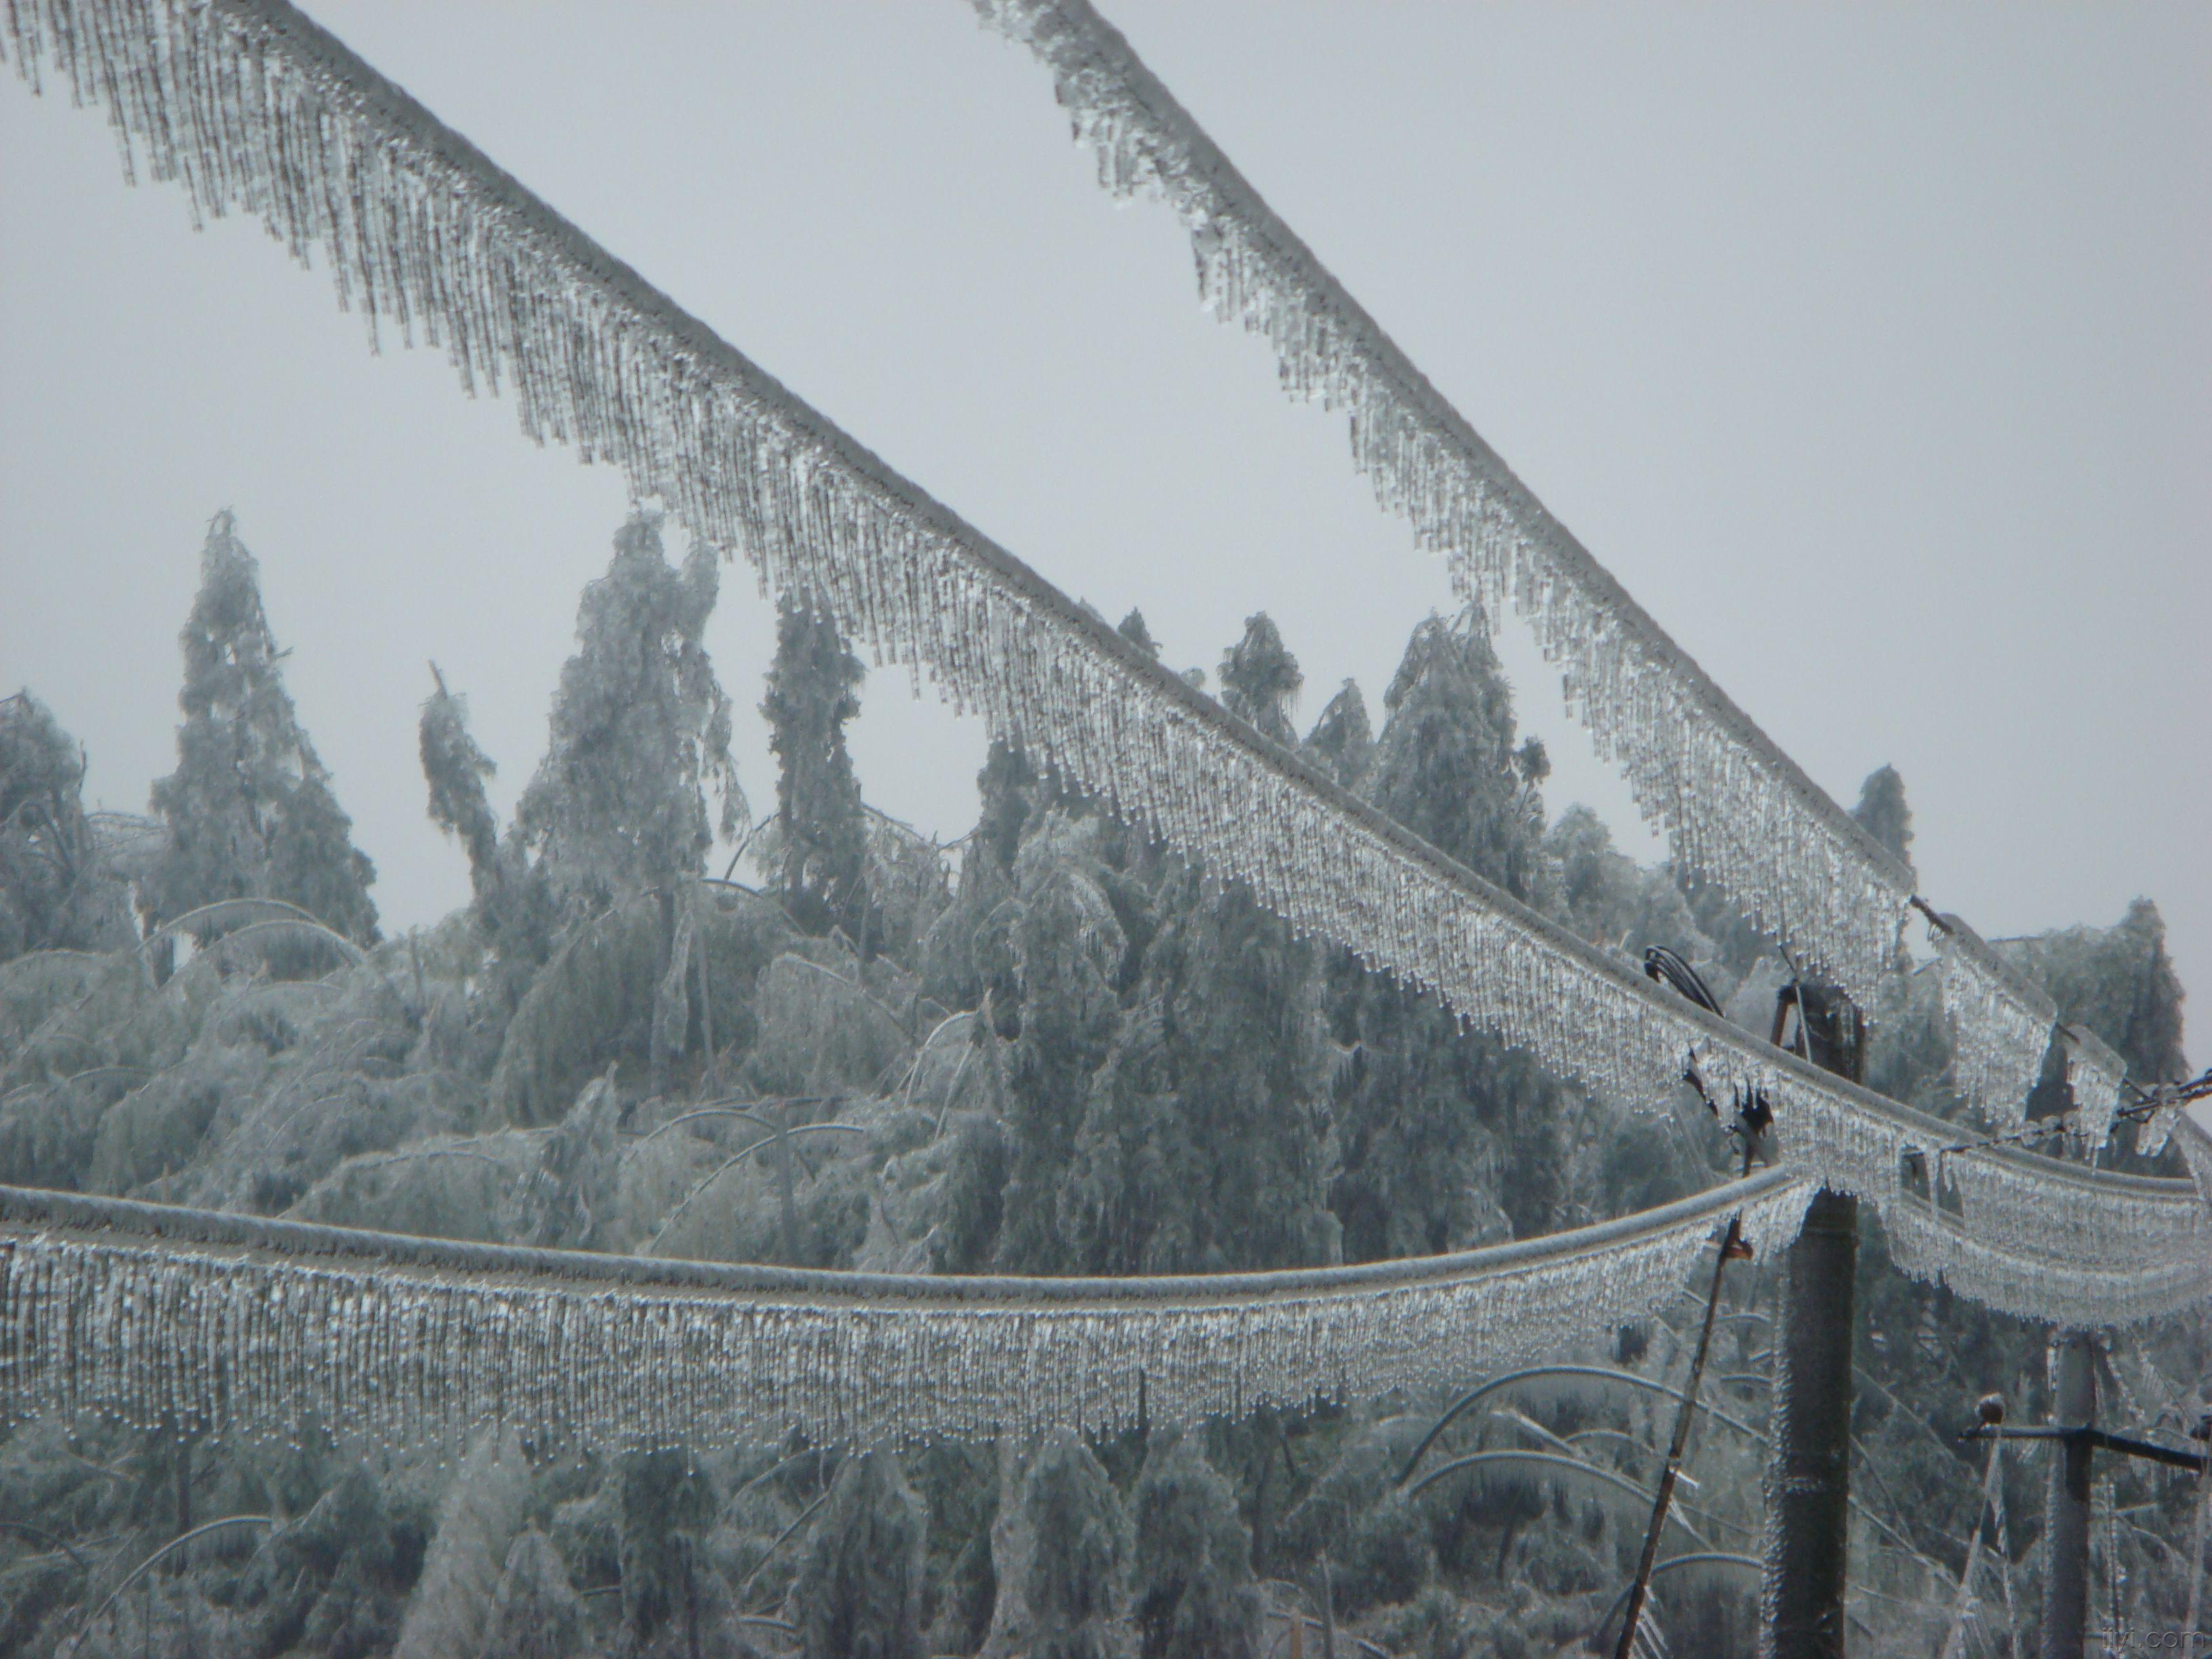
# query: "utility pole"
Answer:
x=1807 y=1483
x=2066 y=1510
x=2066 y=1514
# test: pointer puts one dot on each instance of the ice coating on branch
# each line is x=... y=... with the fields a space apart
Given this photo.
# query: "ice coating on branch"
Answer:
x=251 y=106
x=282 y=1341
x=1735 y=809
x=2000 y=1024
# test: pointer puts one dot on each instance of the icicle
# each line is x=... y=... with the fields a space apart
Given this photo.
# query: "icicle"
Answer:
x=613 y=1352
x=2000 y=1024
x=431 y=1340
x=2196 y=1147
x=2096 y=1075
x=2157 y=1130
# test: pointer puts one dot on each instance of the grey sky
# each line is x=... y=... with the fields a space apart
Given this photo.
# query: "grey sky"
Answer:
x=1870 y=348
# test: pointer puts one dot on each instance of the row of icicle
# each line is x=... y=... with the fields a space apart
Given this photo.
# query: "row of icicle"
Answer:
x=1736 y=808
x=308 y=1330
x=251 y=106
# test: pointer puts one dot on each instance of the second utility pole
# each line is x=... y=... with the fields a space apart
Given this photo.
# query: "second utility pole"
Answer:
x=1809 y=1469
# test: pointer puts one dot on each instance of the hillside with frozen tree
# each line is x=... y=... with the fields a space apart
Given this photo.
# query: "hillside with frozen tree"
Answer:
x=664 y=1026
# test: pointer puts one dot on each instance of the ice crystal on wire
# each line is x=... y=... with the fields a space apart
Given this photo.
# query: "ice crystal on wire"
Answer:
x=230 y=1327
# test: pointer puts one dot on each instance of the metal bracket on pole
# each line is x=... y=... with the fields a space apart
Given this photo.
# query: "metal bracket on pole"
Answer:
x=2097 y=1439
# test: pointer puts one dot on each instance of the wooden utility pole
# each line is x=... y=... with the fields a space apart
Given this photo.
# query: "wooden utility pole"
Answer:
x=1808 y=1484
x=2077 y=1439
x=2066 y=1510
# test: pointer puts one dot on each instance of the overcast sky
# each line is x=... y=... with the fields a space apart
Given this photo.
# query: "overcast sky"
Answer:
x=1871 y=348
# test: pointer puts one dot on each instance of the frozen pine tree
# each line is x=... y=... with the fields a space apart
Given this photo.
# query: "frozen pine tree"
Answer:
x=1259 y=679
x=1195 y=1595
x=1447 y=1139
x=1076 y=1552
x=1206 y=1142
x=1133 y=629
x=535 y=1613
x=640 y=733
x=640 y=739
x=455 y=768
x=1882 y=813
x=452 y=1600
x=662 y=1502
x=55 y=890
x=859 y=1591
x=1342 y=739
x=1446 y=765
x=814 y=690
x=2120 y=982
x=1059 y=936
x=513 y=903
x=249 y=811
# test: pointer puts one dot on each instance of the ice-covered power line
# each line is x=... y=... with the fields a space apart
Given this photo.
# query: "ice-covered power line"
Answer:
x=238 y=1326
x=251 y=106
x=1736 y=808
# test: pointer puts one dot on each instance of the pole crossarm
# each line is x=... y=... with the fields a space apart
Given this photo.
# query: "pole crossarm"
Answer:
x=1735 y=807
x=252 y=105
x=2089 y=1435
x=238 y=1325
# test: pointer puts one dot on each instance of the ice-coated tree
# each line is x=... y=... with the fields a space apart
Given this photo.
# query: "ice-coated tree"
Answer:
x=1066 y=947
x=455 y=768
x=56 y=890
x=640 y=733
x=814 y=690
x=1342 y=739
x=1194 y=1597
x=1205 y=1144
x=1076 y=1550
x=453 y=1599
x=662 y=1501
x=2120 y=982
x=535 y=1613
x=1447 y=765
x=1133 y=629
x=1259 y=679
x=858 y=1594
x=1882 y=813
x=515 y=910
x=249 y=811
x=639 y=741
x=1616 y=903
x=1446 y=1138
x=1206 y=1141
